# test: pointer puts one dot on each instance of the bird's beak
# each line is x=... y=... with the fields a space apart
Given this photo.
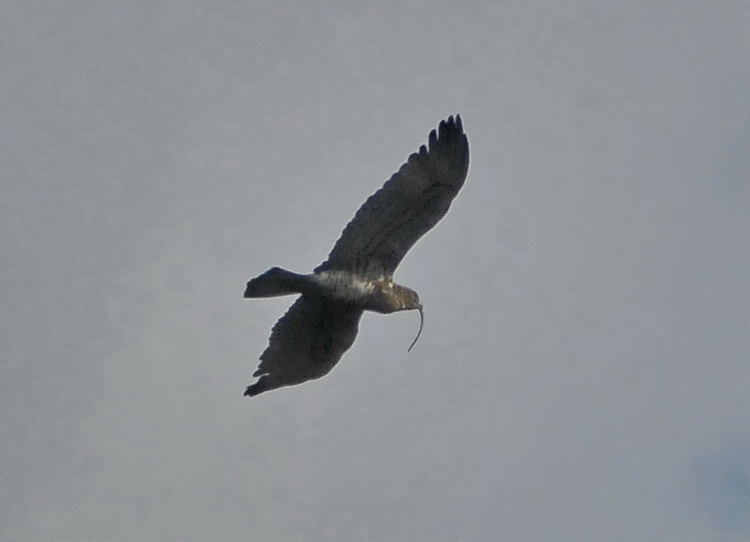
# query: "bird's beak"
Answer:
x=421 y=325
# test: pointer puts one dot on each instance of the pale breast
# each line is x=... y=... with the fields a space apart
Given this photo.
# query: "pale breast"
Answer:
x=371 y=295
x=343 y=285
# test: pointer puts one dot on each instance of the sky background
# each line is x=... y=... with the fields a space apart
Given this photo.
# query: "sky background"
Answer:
x=585 y=364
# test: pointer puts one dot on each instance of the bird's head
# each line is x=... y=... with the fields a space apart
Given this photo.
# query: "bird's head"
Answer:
x=391 y=297
x=407 y=298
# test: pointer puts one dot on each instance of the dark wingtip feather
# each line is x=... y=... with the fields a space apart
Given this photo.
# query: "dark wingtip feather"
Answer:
x=255 y=389
x=451 y=124
x=452 y=131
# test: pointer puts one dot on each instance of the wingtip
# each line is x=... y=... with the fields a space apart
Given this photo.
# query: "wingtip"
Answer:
x=452 y=123
x=259 y=387
x=459 y=123
x=252 y=391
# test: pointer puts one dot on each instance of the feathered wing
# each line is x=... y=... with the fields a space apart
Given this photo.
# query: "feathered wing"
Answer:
x=408 y=205
x=306 y=343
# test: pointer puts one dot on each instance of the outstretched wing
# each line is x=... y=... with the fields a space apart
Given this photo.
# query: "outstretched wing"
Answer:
x=408 y=205
x=306 y=343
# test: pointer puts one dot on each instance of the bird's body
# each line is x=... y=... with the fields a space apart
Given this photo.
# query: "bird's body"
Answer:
x=308 y=341
x=378 y=295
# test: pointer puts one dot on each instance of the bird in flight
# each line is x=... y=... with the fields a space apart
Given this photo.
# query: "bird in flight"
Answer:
x=322 y=323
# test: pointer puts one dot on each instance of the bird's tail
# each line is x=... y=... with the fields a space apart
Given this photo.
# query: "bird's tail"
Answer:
x=275 y=282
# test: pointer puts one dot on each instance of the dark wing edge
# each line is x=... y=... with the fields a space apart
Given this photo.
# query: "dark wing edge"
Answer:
x=306 y=343
x=407 y=206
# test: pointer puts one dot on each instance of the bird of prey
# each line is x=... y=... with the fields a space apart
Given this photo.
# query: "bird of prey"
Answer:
x=322 y=324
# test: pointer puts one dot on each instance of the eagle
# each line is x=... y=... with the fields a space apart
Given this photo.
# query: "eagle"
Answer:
x=322 y=324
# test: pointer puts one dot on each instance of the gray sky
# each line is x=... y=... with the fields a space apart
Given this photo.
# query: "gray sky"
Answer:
x=583 y=372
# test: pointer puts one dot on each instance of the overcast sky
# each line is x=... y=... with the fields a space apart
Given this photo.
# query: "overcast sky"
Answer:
x=585 y=364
